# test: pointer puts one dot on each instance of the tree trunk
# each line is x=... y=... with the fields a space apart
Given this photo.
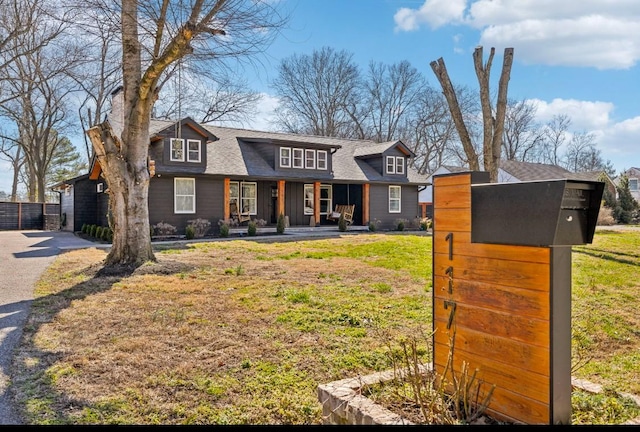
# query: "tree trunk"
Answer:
x=440 y=70
x=127 y=185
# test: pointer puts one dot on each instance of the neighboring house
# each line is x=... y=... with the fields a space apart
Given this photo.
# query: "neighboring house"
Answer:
x=515 y=171
x=425 y=196
x=201 y=169
x=633 y=174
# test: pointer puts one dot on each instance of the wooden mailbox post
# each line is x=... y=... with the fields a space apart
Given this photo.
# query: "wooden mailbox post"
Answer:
x=502 y=287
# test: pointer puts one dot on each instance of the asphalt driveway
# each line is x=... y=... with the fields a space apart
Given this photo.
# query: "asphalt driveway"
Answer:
x=24 y=255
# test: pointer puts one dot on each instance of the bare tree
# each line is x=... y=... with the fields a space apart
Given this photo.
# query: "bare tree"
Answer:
x=522 y=135
x=430 y=132
x=554 y=136
x=156 y=36
x=40 y=85
x=224 y=100
x=18 y=38
x=493 y=126
x=317 y=93
x=392 y=93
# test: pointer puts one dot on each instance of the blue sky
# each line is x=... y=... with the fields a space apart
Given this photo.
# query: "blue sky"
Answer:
x=575 y=58
x=578 y=58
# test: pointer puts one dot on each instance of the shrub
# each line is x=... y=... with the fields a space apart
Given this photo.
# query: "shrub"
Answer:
x=261 y=222
x=374 y=225
x=92 y=230
x=224 y=227
x=84 y=228
x=605 y=216
x=200 y=227
x=280 y=225
x=107 y=234
x=342 y=223
x=252 y=228
x=425 y=224
x=189 y=232
x=164 y=229
x=99 y=233
x=400 y=224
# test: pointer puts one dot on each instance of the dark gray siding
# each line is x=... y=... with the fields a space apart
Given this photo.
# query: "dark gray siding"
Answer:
x=85 y=203
x=160 y=152
x=209 y=202
x=294 y=204
x=66 y=208
x=267 y=152
x=379 y=205
x=102 y=208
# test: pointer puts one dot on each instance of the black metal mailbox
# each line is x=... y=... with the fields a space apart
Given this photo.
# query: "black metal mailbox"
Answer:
x=539 y=213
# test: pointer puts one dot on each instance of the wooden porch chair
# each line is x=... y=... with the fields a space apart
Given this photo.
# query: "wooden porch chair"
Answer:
x=345 y=209
x=236 y=214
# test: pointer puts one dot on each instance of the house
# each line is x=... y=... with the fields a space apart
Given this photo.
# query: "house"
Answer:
x=633 y=174
x=516 y=171
x=425 y=195
x=200 y=170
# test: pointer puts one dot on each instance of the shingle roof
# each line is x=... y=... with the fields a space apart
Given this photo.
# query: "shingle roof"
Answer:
x=526 y=171
x=234 y=153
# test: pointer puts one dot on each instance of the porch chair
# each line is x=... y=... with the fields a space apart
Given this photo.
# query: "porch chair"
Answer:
x=344 y=209
x=235 y=214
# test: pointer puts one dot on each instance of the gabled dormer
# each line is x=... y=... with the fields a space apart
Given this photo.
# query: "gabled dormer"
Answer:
x=390 y=159
x=179 y=146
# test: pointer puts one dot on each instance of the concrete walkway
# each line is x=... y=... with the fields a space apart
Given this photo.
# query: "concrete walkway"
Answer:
x=24 y=255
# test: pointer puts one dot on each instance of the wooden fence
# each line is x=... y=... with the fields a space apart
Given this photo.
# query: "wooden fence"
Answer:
x=29 y=216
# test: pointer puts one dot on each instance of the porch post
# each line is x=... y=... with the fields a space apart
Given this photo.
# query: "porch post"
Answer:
x=316 y=202
x=280 y=198
x=226 y=198
x=365 y=203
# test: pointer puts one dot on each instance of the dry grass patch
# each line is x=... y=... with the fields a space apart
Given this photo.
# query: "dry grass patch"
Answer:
x=225 y=333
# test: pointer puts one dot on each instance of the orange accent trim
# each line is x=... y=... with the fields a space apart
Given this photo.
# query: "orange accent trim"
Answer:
x=316 y=201
x=365 y=203
x=281 y=184
x=96 y=170
x=226 y=198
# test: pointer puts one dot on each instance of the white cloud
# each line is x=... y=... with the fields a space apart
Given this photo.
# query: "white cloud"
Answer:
x=265 y=113
x=435 y=13
x=594 y=33
x=585 y=115
x=618 y=142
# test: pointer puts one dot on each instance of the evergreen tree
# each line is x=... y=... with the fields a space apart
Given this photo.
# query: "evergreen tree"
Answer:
x=626 y=207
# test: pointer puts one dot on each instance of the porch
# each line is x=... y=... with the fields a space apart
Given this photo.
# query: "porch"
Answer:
x=299 y=229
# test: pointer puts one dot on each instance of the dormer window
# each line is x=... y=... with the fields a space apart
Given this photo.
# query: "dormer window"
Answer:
x=633 y=184
x=301 y=158
x=285 y=157
x=321 y=160
x=177 y=150
x=193 y=153
x=298 y=161
x=310 y=159
x=395 y=165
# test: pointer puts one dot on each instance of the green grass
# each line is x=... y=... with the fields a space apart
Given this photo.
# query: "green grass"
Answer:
x=241 y=332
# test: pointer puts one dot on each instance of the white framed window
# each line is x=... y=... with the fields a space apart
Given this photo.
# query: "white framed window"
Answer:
x=399 y=165
x=100 y=187
x=395 y=197
x=391 y=165
x=285 y=157
x=633 y=184
x=326 y=192
x=184 y=195
x=193 y=151
x=310 y=159
x=249 y=197
x=246 y=194
x=321 y=160
x=298 y=158
x=177 y=150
